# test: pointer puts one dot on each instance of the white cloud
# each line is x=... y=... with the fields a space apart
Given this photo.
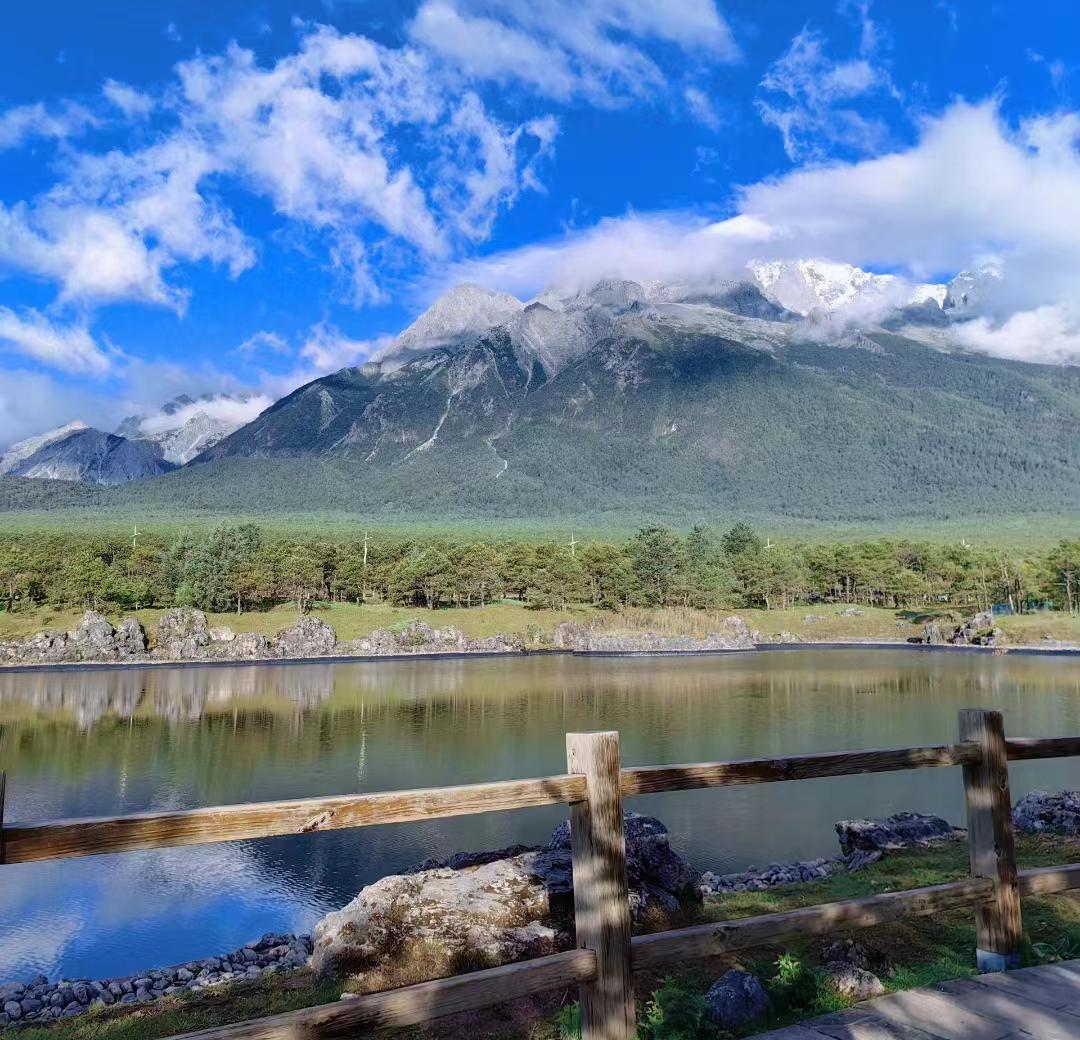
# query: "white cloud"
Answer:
x=20 y=124
x=263 y=342
x=69 y=348
x=133 y=103
x=813 y=100
x=93 y=254
x=565 y=49
x=1049 y=333
x=971 y=187
x=702 y=108
x=328 y=349
x=226 y=407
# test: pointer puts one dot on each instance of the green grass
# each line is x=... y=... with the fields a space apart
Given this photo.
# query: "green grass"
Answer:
x=916 y=952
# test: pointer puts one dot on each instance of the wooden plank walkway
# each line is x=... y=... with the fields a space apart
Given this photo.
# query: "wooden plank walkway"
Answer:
x=1041 y=1003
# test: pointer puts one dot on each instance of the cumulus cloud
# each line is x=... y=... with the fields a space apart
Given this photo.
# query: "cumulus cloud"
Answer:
x=70 y=348
x=318 y=133
x=566 y=49
x=970 y=188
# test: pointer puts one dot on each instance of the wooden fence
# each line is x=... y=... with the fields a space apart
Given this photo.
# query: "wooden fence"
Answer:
x=606 y=956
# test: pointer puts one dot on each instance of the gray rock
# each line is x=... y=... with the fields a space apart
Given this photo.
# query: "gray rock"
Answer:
x=309 y=637
x=489 y=908
x=978 y=631
x=737 y=1001
x=30 y=1005
x=13 y=1010
x=932 y=634
x=1043 y=813
x=733 y=634
x=10 y=990
x=182 y=635
x=853 y=983
x=901 y=831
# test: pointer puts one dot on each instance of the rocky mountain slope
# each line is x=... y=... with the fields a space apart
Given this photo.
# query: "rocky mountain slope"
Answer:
x=627 y=398
x=639 y=399
x=91 y=456
x=187 y=426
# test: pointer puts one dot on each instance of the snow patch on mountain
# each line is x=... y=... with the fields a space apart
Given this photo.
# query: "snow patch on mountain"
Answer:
x=803 y=286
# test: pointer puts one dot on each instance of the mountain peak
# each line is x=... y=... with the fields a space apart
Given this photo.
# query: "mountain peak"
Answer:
x=461 y=311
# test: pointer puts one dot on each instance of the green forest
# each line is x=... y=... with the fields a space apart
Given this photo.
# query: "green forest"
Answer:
x=241 y=567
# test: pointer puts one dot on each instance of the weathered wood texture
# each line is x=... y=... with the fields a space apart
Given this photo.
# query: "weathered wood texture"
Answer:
x=653 y=779
x=1043 y=881
x=413 y=1005
x=1020 y=749
x=153 y=830
x=601 y=895
x=991 y=844
x=665 y=948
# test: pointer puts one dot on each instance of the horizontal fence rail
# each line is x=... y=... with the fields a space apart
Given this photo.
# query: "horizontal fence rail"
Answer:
x=93 y=836
x=593 y=787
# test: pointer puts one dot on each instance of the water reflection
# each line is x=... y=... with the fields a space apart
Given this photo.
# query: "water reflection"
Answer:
x=123 y=740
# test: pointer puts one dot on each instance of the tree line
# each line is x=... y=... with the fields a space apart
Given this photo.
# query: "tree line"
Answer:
x=240 y=567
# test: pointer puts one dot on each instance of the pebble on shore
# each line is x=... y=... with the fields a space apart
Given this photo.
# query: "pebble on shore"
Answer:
x=39 y=1001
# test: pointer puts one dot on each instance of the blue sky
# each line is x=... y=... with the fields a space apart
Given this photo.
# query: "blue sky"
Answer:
x=201 y=197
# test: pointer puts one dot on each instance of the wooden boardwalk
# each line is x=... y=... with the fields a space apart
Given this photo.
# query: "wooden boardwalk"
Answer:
x=1042 y=1003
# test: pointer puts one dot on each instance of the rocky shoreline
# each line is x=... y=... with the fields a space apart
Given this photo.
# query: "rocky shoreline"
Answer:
x=39 y=1001
x=511 y=904
x=184 y=636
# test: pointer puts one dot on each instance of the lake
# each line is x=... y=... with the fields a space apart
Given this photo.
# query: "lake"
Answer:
x=106 y=741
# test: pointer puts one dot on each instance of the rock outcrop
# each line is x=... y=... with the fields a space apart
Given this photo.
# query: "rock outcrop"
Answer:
x=1043 y=813
x=733 y=634
x=904 y=830
x=93 y=639
x=309 y=637
x=489 y=909
x=978 y=631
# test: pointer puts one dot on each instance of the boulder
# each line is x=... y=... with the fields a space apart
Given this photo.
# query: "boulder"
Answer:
x=852 y=983
x=94 y=637
x=1043 y=813
x=130 y=638
x=978 y=631
x=309 y=637
x=903 y=830
x=932 y=634
x=182 y=635
x=737 y=1001
x=487 y=909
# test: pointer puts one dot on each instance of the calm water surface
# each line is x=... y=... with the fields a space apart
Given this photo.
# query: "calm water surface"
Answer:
x=124 y=740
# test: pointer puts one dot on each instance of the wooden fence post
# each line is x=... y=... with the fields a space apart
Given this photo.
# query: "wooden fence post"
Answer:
x=991 y=844
x=601 y=896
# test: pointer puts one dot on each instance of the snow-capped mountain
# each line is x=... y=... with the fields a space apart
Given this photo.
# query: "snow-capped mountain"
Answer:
x=803 y=286
x=186 y=426
x=22 y=450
